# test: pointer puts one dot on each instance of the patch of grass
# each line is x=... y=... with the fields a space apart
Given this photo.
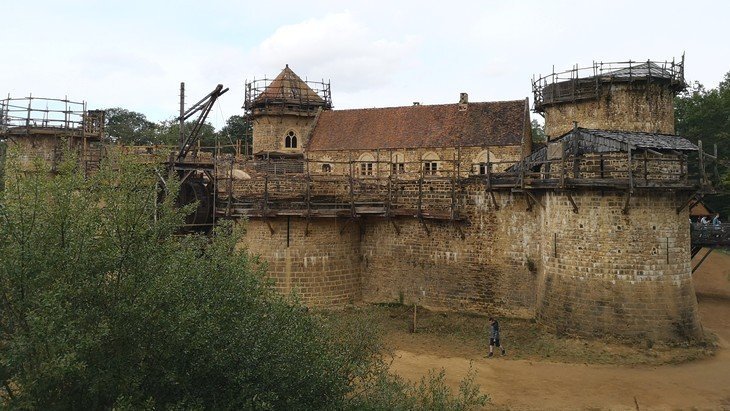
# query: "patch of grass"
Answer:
x=466 y=335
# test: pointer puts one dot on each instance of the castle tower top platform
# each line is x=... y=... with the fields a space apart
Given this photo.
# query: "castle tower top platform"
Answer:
x=627 y=96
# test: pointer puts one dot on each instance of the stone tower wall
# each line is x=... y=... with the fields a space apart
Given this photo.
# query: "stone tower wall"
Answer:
x=270 y=131
x=322 y=268
x=609 y=273
x=636 y=106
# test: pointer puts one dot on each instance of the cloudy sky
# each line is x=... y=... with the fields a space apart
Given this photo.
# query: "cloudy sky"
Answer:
x=134 y=54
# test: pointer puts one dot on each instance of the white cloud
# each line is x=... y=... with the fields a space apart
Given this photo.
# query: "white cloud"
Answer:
x=338 y=46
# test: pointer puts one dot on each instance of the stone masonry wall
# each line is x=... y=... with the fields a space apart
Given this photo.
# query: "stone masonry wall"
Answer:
x=636 y=106
x=269 y=132
x=503 y=156
x=492 y=268
x=322 y=268
x=609 y=273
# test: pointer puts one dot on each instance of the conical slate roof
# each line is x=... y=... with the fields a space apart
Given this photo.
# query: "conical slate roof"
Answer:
x=287 y=87
x=644 y=70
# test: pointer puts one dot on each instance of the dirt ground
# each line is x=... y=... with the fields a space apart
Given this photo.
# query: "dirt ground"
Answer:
x=533 y=380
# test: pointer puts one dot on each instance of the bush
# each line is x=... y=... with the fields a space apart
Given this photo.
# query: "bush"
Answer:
x=103 y=306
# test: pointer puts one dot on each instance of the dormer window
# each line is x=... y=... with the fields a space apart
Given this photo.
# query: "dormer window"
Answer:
x=290 y=141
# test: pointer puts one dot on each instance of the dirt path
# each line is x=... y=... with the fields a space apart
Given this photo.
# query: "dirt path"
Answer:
x=520 y=384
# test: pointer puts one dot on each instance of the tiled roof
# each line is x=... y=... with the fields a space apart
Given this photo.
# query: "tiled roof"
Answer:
x=494 y=123
x=288 y=87
x=653 y=141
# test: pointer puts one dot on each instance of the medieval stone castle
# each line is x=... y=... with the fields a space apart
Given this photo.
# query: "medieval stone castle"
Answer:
x=452 y=206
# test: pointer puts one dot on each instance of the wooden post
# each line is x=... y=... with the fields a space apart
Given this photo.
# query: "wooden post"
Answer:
x=714 y=164
x=266 y=193
x=420 y=193
x=562 y=164
x=352 y=189
x=631 y=171
x=415 y=304
x=488 y=172
x=703 y=178
x=453 y=185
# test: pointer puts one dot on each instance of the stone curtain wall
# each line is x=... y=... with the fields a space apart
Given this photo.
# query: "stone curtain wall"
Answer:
x=634 y=106
x=609 y=273
x=592 y=273
x=493 y=268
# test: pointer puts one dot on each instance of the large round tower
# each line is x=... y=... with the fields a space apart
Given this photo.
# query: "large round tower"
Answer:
x=283 y=110
x=627 y=96
x=616 y=252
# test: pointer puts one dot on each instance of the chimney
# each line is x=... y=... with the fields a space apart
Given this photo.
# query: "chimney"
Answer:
x=463 y=101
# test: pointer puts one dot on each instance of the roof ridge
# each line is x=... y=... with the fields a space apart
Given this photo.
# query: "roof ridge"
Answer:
x=521 y=101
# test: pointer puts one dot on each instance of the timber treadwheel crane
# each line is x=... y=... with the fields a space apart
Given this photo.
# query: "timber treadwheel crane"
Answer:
x=197 y=176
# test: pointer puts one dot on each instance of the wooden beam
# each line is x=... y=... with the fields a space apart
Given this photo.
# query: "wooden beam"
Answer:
x=347 y=223
x=572 y=202
x=425 y=226
x=534 y=199
x=687 y=202
x=459 y=230
x=395 y=226
x=626 y=203
x=702 y=260
x=494 y=200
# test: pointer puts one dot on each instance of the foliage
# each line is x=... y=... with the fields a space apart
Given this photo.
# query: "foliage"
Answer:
x=102 y=306
x=703 y=114
x=169 y=133
x=538 y=132
x=129 y=127
x=237 y=128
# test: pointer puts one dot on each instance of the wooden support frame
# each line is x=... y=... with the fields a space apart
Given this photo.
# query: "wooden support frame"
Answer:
x=695 y=196
x=709 y=250
x=494 y=200
x=532 y=196
x=425 y=226
x=395 y=226
x=347 y=223
x=625 y=209
x=572 y=202
x=459 y=230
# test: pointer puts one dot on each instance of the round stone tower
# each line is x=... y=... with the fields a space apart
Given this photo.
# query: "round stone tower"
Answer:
x=283 y=111
x=616 y=257
x=628 y=96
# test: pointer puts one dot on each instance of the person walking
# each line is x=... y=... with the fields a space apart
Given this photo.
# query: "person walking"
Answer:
x=494 y=337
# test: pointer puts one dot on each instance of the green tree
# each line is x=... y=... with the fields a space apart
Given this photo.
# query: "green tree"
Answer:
x=238 y=129
x=169 y=133
x=538 y=132
x=702 y=114
x=129 y=127
x=102 y=306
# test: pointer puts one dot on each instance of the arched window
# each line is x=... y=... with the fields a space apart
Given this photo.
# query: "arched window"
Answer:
x=397 y=163
x=366 y=164
x=326 y=168
x=430 y=163
x=290 y=141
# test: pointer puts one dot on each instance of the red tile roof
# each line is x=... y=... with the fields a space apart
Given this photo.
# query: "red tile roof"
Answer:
x=288 y=87
x=495 y=123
